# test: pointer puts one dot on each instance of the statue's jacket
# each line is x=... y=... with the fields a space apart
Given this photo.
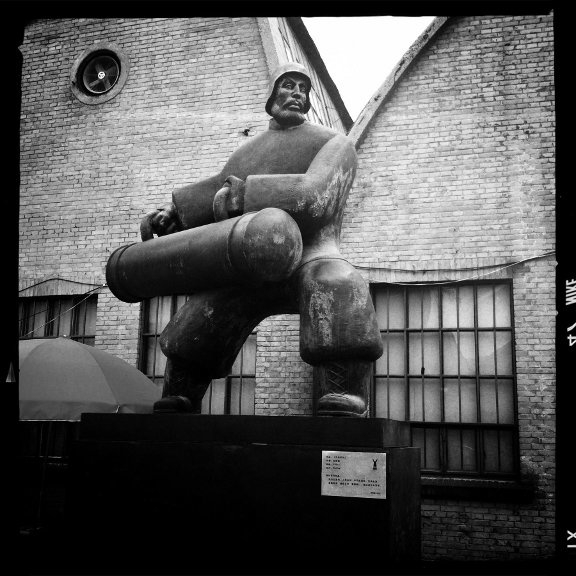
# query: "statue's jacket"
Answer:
x=305 y=170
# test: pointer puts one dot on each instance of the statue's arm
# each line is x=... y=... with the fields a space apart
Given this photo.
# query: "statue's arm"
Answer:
x=193 y=203
x=311 y=198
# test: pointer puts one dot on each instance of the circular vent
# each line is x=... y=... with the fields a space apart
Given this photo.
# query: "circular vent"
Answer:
x=99 y=73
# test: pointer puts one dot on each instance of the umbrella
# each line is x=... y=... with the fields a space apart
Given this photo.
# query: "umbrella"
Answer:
x=59 y=379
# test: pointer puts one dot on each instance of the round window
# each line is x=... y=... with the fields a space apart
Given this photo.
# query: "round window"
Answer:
x=99 y=73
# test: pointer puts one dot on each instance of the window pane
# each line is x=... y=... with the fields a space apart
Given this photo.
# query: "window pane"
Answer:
x=463 y=363
x=488 y=412
x=450 y=352
x=389 y=304
x=414 y=308
x=390 y=398
x=502 y=294
x=425 y=399
x=466 y=307
x=150 y=322
x=78 y=319
x=467 y=353
x=248 y=390
x=428 y=440
x=431 y=308
x=52 y=319
x=149 y=355
x=505 y=402
x=486 y=353
x=424 y=360
x=235 y=395
x=461 y=450
x=90 y=325
x=242 y=395
x=485 y=306
x=213 y=401
x=164 y=312
x=416 y=400
x=40 y=317
x=504 y=353
x=249 y=351
x=423 y=308
x=460 y=403
x=65 y=326
x=449 y=317
x=159 y=358
x=392 y=360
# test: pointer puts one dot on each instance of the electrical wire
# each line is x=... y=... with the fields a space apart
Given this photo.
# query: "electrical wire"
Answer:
x=498 y=267
x=56 y=278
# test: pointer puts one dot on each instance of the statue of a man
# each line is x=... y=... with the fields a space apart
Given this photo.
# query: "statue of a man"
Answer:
x=305 y=170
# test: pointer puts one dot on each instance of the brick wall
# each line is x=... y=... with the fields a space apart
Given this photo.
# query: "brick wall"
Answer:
x=283 y=380
x=89 y=173
x=457 y=172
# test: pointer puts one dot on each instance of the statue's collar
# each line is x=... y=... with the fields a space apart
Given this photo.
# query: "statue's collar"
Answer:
x=273 y=125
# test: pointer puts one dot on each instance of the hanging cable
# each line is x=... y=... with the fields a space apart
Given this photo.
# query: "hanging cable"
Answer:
x=56 y=278
x=498 y=267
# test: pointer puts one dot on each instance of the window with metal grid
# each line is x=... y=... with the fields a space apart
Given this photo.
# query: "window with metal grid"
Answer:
x=49 y=317
x=448 y=369
x=231 y=395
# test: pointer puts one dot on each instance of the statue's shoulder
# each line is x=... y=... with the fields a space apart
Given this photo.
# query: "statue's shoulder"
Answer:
x=323 y=134
x=319 y=130
x=310 y=135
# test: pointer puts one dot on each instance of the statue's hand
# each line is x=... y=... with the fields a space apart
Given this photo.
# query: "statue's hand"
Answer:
x=160 y=222
x=229 y=200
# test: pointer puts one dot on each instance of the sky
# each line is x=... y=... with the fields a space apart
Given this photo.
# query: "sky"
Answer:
x=360 y=52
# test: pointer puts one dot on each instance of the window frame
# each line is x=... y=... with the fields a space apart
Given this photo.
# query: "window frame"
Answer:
x=50 y=327
x=444 y=427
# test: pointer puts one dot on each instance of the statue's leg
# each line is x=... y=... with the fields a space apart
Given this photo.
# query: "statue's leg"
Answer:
x=203 y=339
x=339 y=335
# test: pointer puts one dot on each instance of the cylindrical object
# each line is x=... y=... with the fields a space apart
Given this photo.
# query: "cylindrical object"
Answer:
x=264 y=246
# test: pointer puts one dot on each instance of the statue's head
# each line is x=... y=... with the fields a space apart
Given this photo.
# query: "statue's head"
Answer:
x=289 y=99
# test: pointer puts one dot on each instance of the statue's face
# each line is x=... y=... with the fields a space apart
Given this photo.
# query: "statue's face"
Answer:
x=290 y=101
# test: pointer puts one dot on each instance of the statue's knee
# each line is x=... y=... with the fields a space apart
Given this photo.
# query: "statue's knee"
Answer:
x=337 y=318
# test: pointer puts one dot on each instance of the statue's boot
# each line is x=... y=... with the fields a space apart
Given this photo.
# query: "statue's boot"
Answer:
x=343 y=388
x=183 y=391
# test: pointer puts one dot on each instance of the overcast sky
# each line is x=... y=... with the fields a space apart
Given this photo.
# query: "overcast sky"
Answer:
x=360 y=52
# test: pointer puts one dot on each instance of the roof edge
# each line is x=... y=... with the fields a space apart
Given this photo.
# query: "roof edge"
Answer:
x=301 y=32
x=370 y=111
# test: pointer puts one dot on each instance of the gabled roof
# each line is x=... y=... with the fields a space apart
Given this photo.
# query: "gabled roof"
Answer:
x=370 y=111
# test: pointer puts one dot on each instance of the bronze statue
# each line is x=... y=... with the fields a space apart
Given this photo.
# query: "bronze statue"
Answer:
x=298 y=172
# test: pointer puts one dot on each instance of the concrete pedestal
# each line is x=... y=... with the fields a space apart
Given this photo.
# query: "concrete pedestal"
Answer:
x=178 y=493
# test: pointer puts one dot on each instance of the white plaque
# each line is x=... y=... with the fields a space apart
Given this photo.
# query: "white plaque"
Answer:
x=354 y=474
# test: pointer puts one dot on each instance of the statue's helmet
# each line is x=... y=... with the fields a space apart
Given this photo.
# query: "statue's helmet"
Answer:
x=282 y=70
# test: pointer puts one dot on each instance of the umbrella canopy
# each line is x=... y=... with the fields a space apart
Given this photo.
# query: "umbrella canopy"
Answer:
x=59 y=379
